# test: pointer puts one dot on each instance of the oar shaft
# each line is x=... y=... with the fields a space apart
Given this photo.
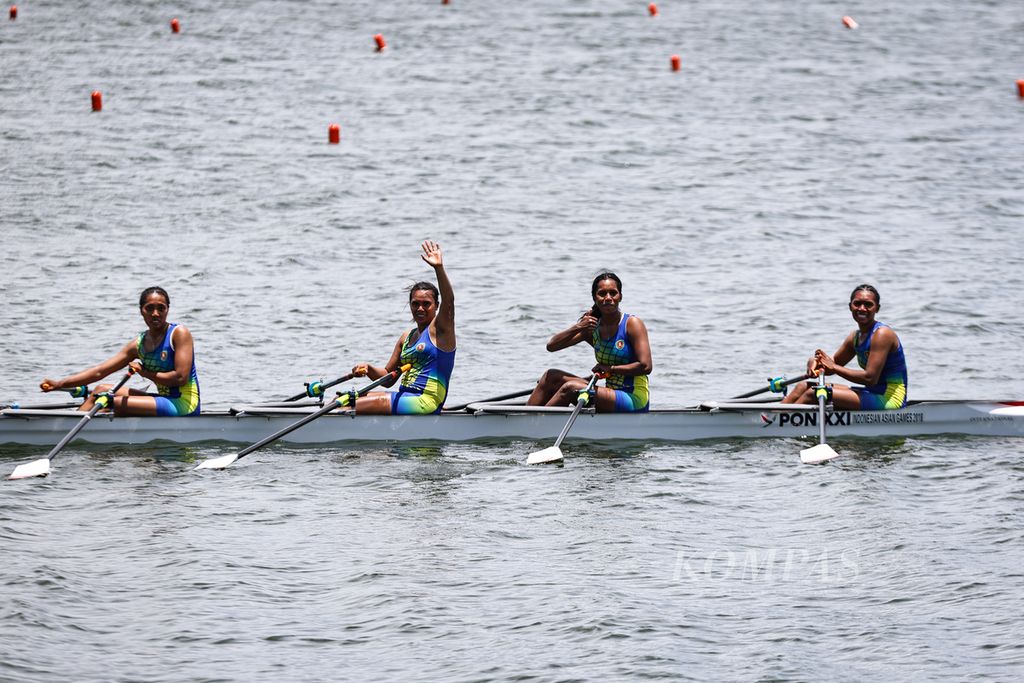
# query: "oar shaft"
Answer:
x=86 y=418
x=336 y=403
x=755 y=392
x=821 y=408
x=289 y=429
x=328 y=385
x=580 y=402
x=493 y=399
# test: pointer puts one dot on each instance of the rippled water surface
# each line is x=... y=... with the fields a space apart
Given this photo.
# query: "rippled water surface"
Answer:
x=740 y=199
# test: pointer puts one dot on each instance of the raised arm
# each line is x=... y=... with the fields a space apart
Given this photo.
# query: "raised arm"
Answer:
x=444 y=321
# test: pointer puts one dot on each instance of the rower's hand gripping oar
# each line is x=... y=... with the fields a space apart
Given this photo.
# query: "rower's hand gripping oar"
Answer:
x=342 y=400
x=554 y=453
x=777 y=385
x=317 y=389
x=41 y=467
x=822 y=452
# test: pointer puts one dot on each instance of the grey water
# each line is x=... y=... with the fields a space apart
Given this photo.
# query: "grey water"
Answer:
x=540 y=142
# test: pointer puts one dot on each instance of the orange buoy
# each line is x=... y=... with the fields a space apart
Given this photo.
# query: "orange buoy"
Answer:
x=333 y=134
x=379 y=39
x=97 y=100
x=175 y=26
x=848 y=22
x=14 y=12
x=444 y=2
x=652 y=9
x=1020 y=88
x=676 y=62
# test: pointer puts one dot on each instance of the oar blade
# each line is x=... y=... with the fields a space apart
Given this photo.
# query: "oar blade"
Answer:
x=551 y=454
x=217 y=463
x=36 y=468
x=817 y=454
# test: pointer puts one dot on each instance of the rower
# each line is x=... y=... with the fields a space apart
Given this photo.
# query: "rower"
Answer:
x=429 y=348
x=162 y=353
x=879 y=353
x=621 y=348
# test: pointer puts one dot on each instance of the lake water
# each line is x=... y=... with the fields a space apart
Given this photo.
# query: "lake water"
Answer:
x=740 y=200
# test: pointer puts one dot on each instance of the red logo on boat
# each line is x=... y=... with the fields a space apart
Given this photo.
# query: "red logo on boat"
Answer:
x=767 y=421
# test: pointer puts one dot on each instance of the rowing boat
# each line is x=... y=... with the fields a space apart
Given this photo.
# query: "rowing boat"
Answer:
x=709 y=420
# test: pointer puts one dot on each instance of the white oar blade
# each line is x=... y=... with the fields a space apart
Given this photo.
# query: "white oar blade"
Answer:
x=36 y=468
x=817 y=454
x=217 y=463
x=552 y=454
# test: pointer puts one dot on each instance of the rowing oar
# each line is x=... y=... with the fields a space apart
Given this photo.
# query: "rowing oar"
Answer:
x=317 y=389
x=822 y=452
x=554 y=453
x=776 y=385
x=494 y=399
x=41 y=467
x=342 y=400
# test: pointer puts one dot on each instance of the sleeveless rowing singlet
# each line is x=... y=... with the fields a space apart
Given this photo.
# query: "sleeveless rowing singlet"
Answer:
x=891 y=391
x=177 y=401
x=631 y=393
x=425 y=386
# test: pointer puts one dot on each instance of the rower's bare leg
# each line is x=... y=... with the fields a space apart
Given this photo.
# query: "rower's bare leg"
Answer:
x=548 y=385
x=90 y=401
x=569 y=392
x=374 y=403
x=845 y=398
x=800 y=393
x=138 y=402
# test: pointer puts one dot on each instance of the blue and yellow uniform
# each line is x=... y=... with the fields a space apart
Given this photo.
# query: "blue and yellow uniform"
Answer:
x=170 y=401
x=891 y=391
x=425 y=386
x=631 y=393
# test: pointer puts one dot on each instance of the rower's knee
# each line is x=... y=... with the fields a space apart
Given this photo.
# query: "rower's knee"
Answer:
x=551 y=378
x=102 y=388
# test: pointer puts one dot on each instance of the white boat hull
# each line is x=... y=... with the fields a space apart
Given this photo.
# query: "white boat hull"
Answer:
x=981 y=418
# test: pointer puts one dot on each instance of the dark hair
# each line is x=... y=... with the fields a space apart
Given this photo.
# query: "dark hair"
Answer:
x=425 y=287
x=153 y=290
x=866 y=288
x=607 y=275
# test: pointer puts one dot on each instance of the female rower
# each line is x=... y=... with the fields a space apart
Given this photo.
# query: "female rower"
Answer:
x=429 y=347
x=162 y=353
x=883 y=369
x=621 y=349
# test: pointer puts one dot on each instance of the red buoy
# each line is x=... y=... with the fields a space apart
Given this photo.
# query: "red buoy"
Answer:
x=379 y=39
x=444 y=2
x=333 y=134
x=848 y=22
x=175 y=26
x=652 y=9
x=14 y=12
x=675 y=62
x=97 y=100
